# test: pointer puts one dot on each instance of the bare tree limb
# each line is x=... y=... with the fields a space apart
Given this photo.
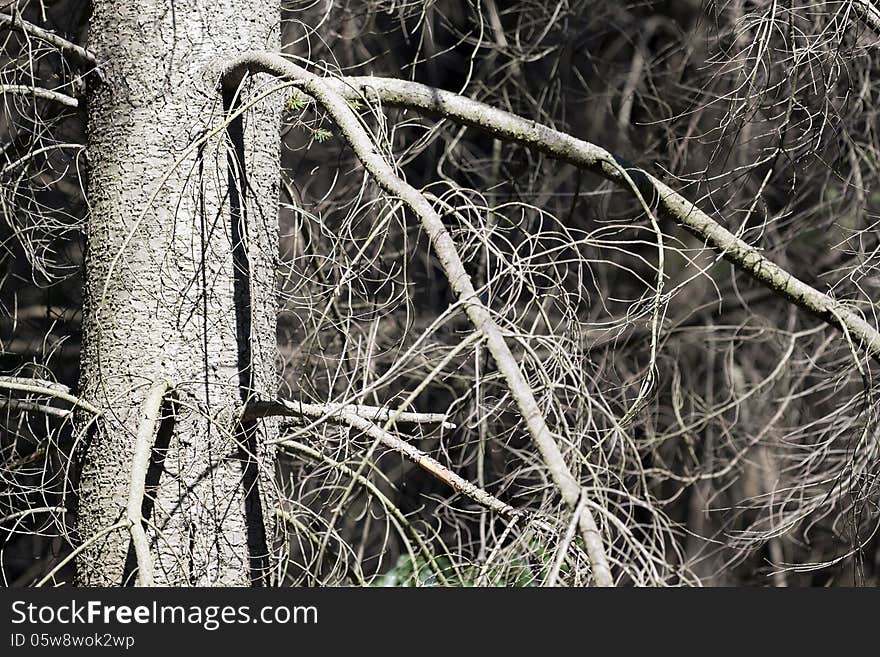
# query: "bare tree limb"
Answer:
x=140 y=463
x=72 y=51
x=47 y=388
x=37 y=92
x=283 y=408
x=447 y=254
x=32 y=512
x=424 y=461
x=561 y=146
x=32 y=407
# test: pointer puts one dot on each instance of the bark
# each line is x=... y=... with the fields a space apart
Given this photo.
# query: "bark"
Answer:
x=181 y=247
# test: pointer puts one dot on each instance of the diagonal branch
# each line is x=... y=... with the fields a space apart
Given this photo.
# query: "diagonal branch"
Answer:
x=39 y=92
x=672 y=205
x=72 y=51
x=868 y=12
x=417 y=456
x=362 y=418
x=561 y=146
x=459 y=280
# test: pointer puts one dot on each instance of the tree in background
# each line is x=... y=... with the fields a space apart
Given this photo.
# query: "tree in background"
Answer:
x=555 y=293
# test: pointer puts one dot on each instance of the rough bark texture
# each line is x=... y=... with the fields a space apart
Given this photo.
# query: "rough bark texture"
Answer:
x=190 y=298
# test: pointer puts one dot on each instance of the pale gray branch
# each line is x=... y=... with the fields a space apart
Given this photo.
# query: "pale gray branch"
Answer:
x=420 y=458
x=70 y=50
x=38 y=92
x=393 y=92
x=283 y=408
x=46 y=388
x=447 y=254
x=140 y=464
x=561 y=146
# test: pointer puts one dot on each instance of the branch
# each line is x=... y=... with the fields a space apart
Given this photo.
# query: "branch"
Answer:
x=420 y=458
x=32 y=512
x=140 y=464
x=72 y=51
x=868 y=12
x=32 y=407
x=672 y=205
x=460 y=282
x=38 y=92
x=283 y=408
x=47 y=388
x=561 y=146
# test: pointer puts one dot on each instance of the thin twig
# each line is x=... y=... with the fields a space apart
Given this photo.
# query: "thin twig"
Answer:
x=32 y=512
x=73 y=554
x=564 y=544
x=399 y=519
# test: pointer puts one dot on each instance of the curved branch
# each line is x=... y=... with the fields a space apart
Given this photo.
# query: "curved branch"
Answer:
x=561 y=146
x=47 y=388
x=459 y=280
x=72 y=51
x=672 y=205
x=140 y=463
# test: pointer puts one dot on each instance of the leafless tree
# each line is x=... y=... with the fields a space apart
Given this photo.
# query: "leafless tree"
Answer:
x=463 y=293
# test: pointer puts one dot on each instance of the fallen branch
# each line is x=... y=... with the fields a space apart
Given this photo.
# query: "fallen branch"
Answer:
x=447 y=254
x=69 y=49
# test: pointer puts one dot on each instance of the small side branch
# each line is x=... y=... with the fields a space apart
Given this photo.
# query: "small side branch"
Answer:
x=38 y=92
x=47 y=389
x=420 y=458
x=283 y=408
x=70 y=50
x=137 y=486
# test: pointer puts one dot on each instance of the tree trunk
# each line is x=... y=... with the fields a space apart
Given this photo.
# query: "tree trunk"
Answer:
x=181 y=247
